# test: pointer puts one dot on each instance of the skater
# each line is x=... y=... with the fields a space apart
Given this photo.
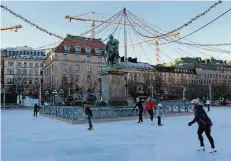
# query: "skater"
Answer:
x=141 y=110
x=208 y=103
x=150 y=107
x=89 y=115
x=36 y=110
x=159 y=113
x=204 y=123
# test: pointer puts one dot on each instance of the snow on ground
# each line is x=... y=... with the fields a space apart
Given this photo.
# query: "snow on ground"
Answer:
x=25 y=138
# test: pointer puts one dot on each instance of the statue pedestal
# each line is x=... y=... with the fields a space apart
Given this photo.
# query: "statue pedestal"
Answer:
x=113 y=84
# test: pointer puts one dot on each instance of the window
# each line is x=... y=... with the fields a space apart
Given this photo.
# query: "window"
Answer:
x=19 y=71
x=88 y=68
x=10 y=63
x=88 y=77
x=64 y=66
x=64 y=57
x=99 y=60
x=77 y=49
x=31 y=72
x=36 y=65
x=99 y=68
x=88 y=59
x=36 y=80
x=41 y=65
x=36 y=72
x=76 y=67
x=10 y=80
x=77 y=58
x=88 y=50
x=67 y=48
x=10 y=71
x=77 y=78
x=31 y=65
x=24 y=71
x=25 y=64
x=30 y=81
x=97 y=51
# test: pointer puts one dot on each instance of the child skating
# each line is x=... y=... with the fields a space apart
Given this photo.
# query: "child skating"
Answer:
x=89 y=116
x=159 y=113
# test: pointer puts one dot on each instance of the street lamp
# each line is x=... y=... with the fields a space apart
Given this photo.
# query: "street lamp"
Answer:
x=61 y=92
x=54 y=94
x=46 y=93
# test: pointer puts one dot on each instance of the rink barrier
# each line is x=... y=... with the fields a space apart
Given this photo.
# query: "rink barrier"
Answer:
x=76 y=114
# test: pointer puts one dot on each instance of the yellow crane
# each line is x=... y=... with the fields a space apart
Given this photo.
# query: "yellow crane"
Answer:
x=92 y=20
x=174 y=34
x=14 y=28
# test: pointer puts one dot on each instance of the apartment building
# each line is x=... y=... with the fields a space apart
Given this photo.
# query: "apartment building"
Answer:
x=22 y=66
x=74 y=64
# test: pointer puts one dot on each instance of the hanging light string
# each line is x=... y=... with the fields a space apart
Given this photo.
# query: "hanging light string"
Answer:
x=185 y=24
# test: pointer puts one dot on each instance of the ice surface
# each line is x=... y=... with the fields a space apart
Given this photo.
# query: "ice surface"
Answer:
x=25 y=138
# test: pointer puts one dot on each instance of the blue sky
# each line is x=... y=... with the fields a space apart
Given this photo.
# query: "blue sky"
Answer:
x=166 y=15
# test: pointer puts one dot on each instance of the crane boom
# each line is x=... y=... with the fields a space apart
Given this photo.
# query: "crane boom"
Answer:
x=142 y=41
x=93 y=20
x=15 y=28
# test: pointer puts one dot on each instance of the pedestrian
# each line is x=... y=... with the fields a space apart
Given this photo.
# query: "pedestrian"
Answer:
x=208 y=103
x=150 y=107
x=204 y=123
x=141 y=110
x=159 y=113
x=36 y=110
x=89 y=114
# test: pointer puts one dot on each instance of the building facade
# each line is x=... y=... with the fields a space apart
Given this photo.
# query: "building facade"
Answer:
x=22 y=68
x=74 y=65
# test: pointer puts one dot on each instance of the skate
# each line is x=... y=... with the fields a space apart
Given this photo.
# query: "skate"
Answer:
x=160 y=125
x=151 y=122
x=213 y=150
x=90 y=128
x=202 y=148
x=139 y=122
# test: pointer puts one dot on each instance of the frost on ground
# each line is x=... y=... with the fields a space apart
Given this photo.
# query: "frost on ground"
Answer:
x=25 y=138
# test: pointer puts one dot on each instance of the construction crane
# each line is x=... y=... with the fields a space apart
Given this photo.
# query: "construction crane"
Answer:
x=174 y=34
x=91 y=19
x=15 y=28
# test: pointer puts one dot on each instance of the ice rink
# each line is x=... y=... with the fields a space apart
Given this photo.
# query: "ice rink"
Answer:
x=25 y=138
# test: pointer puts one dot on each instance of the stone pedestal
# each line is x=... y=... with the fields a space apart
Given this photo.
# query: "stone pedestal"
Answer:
x=113 y=84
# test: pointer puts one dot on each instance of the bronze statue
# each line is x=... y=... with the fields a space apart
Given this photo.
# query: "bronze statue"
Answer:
x=112 y=51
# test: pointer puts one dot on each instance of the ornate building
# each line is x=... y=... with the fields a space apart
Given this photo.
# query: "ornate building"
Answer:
x=74 y=65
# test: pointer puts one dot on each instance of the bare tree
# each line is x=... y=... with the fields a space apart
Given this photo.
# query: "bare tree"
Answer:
x=133 y=85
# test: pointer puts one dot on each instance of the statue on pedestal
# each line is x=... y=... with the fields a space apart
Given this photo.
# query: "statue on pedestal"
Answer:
x=111 y=51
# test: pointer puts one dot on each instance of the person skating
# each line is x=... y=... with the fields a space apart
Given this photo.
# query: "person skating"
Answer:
x=204 y=123
x=36 y=109
x=159 y=113
x=150 y=107
x=208 y=103
x=141 y=110
x=89 y=116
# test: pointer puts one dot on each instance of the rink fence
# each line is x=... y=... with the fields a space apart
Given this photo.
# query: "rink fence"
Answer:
x=72 y=114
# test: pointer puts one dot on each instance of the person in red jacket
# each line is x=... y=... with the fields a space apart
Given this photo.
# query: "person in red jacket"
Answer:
x=150 y=107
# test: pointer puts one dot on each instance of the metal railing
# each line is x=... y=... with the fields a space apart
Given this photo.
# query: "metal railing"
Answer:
x=77 y=113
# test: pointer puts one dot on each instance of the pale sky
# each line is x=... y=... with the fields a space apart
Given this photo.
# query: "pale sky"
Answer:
x=165 y=15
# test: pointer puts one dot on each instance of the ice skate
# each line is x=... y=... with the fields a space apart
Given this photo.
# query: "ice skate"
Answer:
x=160 y=125
x=139 y=122
x=202 y=148
x=213 y=150
x=151 y=122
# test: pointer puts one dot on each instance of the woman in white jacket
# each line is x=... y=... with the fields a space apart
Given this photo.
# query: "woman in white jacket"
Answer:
x=208 y=104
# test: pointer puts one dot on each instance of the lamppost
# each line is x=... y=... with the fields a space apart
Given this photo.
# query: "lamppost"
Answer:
x=46 y=93
x=54 y=94
x=61 y=92
x=152 y=91
x=4 y=98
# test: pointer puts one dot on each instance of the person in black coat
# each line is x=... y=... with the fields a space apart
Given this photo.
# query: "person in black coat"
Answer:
x=89 y=116
x=204 y=123
x=141 y=110
x=36 y=110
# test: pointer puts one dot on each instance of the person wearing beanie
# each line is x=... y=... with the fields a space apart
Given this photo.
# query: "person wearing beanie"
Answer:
x=204 y=123
x=159 y=113
x=89 y=114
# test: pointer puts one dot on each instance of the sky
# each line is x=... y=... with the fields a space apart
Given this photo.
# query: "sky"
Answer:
x=165 y=15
